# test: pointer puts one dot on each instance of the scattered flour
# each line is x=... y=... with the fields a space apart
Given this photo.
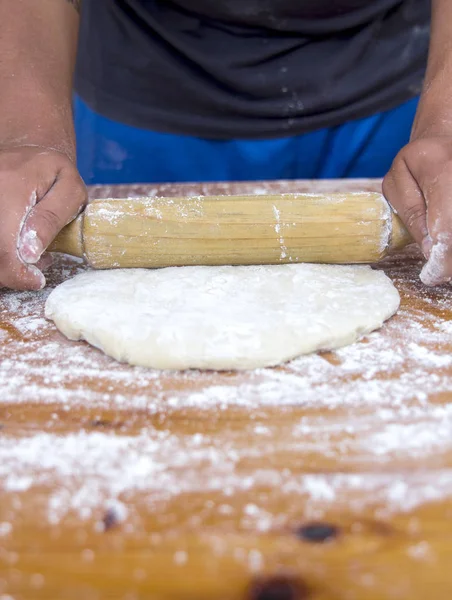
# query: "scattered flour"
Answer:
x=401 y=373
x=432 y=273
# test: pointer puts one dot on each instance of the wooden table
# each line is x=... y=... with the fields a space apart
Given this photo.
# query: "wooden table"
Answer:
x=329 y=478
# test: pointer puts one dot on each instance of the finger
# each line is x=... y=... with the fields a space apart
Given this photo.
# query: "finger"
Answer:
x=45 y=262
x=404 y=194
x=17 y=276
x=58 y=207
x=17 y=201
x=437 y=191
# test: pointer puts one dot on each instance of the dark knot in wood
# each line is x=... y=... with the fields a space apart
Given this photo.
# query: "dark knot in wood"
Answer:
x=278 y=588
x=317 y=532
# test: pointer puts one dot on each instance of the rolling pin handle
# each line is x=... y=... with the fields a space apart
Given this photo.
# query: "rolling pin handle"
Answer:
x=70 y=239
x=400 y=237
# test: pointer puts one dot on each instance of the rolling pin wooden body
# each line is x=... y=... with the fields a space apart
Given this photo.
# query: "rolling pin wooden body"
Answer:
x=234 y=230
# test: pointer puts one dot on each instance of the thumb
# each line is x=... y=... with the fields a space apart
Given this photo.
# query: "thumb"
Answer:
x=55 y=210
x=403 y=193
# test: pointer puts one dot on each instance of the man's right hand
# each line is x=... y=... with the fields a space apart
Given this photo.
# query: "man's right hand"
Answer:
x=40 y=192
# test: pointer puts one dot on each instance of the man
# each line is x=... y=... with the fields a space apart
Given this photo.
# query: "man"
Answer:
x=238 y=89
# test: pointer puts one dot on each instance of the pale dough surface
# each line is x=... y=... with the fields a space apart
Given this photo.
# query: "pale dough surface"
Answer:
x=222 y=317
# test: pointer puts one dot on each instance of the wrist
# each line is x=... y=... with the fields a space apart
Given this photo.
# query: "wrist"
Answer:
x=434 y=114
x=41 y=115
x=68 y=152
x=55 y=134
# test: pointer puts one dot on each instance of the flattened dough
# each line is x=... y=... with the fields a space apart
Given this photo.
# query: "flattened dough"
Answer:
x=222 y=317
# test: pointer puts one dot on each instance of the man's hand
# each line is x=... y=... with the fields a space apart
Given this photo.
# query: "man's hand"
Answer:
x=419 y=187
x=40 y=189
x=40 y=192
x=419 y=184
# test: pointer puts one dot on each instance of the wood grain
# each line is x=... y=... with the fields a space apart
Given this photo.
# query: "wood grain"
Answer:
x=256 y=519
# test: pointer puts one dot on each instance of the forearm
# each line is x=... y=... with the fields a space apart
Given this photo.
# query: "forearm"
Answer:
x=434 y=116
x=37 y=57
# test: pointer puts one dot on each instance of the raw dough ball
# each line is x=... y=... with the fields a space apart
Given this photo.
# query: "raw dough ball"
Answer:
x=222 y=317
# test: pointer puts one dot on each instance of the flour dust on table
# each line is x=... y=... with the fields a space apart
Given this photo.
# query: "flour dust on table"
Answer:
x=222 y=317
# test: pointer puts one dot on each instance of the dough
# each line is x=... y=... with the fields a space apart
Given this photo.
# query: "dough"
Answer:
x=222 y=317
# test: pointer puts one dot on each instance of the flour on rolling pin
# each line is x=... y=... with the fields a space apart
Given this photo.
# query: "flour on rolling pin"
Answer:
x=234 y=230
x=279 y=232
x=386 y=230
x=152 y=207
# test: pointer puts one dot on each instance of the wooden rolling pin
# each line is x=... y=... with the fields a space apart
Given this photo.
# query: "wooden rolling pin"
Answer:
x=234 y=230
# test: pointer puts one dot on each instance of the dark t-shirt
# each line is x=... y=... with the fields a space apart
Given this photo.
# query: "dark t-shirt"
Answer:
x=249 y=68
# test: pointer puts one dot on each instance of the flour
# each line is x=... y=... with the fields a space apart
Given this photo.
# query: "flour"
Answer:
x=433 y=271
x=386 y=233
x=96 y=470
x=279 y=232
x=388 y=376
